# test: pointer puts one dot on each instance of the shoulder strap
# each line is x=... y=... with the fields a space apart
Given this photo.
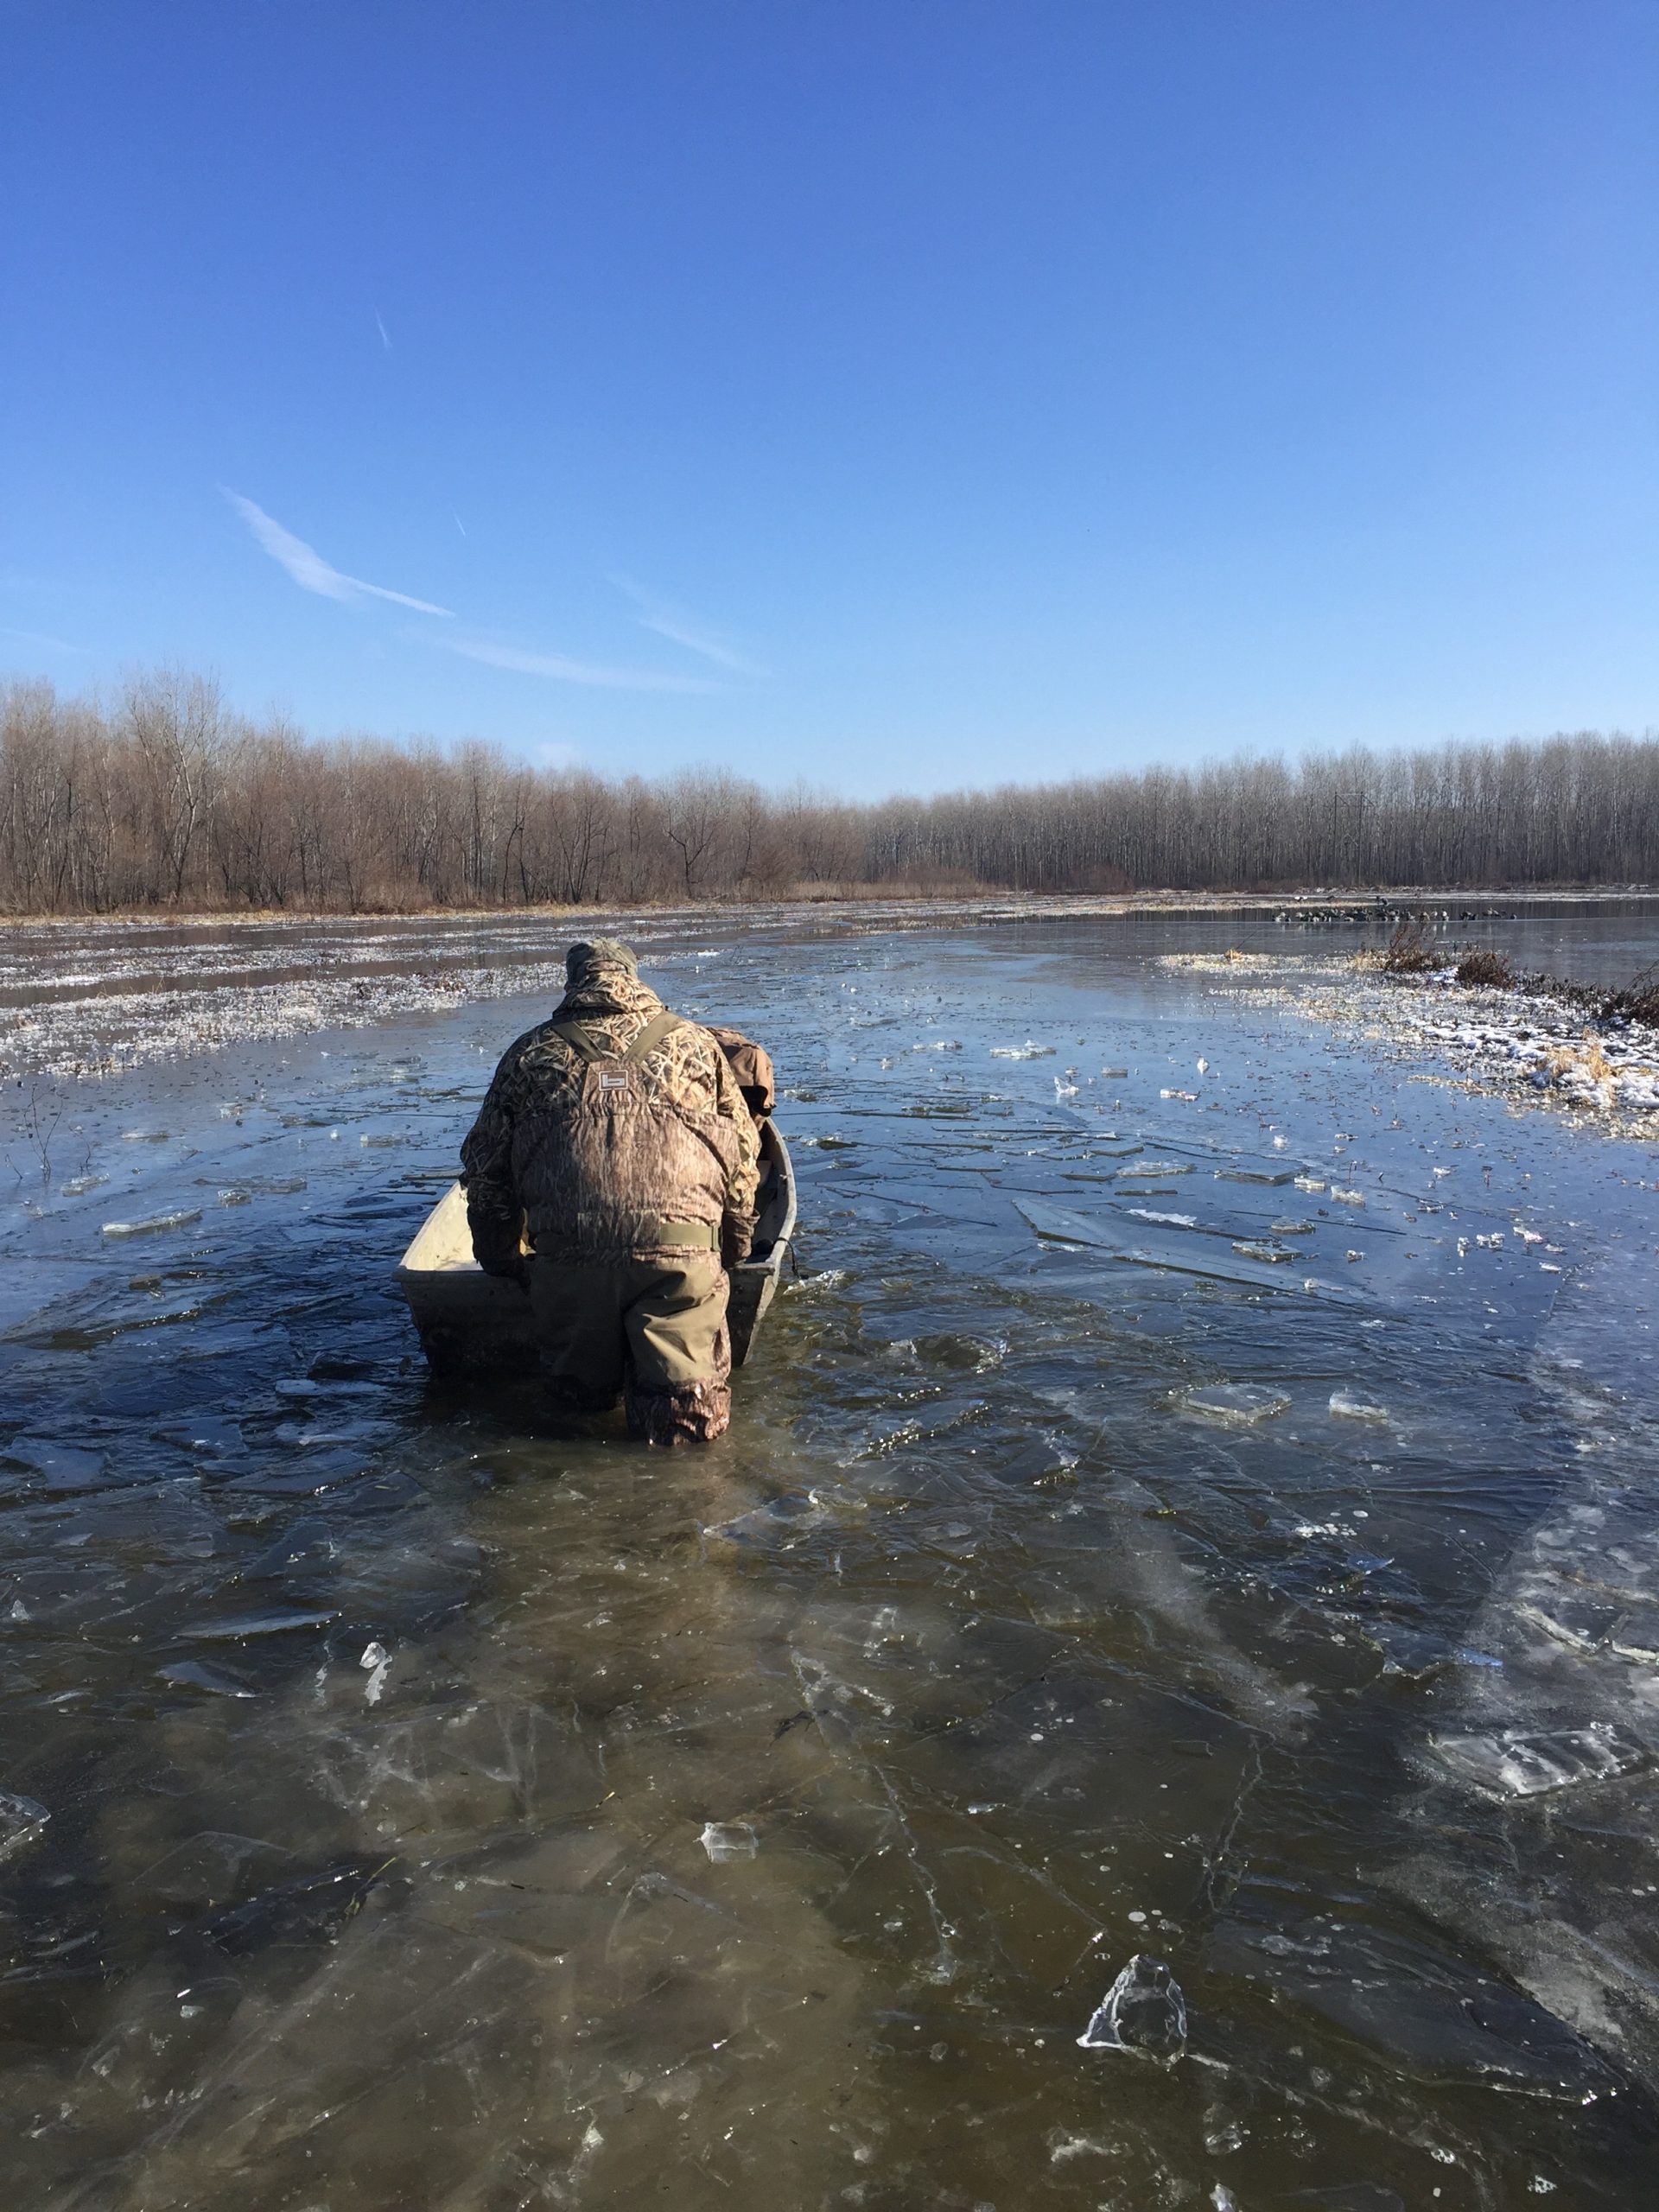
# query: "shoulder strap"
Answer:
x=652 y=1034
x=582 y=1042
x=587 y=1046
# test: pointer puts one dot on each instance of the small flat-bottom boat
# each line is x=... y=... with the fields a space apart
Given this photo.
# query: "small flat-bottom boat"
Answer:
x=475 y=1323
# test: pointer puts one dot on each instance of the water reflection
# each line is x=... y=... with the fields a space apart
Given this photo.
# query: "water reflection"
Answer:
x=449 y=1808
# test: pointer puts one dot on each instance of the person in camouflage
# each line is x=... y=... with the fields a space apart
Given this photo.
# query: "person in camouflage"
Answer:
x=615 y=1141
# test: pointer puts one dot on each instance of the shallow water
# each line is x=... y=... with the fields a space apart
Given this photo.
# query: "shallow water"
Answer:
x=448 y=1809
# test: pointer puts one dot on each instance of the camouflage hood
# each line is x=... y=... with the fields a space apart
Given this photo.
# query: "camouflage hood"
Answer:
x=608 y=987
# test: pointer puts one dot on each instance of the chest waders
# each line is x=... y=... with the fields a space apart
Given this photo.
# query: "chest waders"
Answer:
x=654 y=1323
x=614 y=1101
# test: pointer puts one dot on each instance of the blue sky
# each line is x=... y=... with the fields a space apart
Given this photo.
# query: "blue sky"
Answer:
x=895 y=395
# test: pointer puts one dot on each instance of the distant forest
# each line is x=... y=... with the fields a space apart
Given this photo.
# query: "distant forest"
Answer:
x=166 y=799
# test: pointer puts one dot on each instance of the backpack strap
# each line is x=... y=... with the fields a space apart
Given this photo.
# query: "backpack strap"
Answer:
x=591 y=1048
x=582 y=1042
x=652 y=1034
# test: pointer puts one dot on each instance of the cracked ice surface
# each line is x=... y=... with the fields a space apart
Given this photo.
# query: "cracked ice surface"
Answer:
x=408 y=1802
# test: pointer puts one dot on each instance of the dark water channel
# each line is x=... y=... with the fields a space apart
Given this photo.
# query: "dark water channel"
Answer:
x=449 y=1810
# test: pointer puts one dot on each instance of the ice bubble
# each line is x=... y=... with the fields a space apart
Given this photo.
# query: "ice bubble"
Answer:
x=182 y=1219
x=735 y=1840
x=1143 y=2011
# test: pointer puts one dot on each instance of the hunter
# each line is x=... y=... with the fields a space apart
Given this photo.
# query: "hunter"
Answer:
x=614 y=1167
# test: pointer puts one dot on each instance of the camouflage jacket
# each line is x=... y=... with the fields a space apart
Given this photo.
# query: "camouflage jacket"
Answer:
x=595 y=1158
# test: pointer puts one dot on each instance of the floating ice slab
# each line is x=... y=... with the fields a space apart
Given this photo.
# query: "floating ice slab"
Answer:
x=1581 y=1624
x=191 y=1675
x=1239 y=1405
x=1349 y=1405
x=1636 y=1635
x=733 y=1840
x=1143 y=2011
x=156 y=1222
x=21 y=1822
x=1181 y=1254
x=248 y=1626
x=1511 y=1763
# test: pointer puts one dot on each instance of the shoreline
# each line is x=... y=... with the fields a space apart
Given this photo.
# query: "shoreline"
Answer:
x=1533 y=1043
x=987 y=903
x=99 y=997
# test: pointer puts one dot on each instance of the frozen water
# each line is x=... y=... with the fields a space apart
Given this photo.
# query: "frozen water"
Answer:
x=21 y=1822
x=1143 y=2011
x=181 y=1218
x=1002 y=1671
x=1353 y=1405
x=730 y=1839
x=1240 y=1405
x=1516 y=1764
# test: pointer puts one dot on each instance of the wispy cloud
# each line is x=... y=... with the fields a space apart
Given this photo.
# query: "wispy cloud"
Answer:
x=562 y=670
x=460 y=525
x=42 y=642
x=380 y=325
x=311 y=572
x=673 y=622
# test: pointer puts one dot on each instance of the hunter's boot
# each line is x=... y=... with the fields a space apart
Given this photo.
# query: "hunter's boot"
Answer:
x=696 y=1412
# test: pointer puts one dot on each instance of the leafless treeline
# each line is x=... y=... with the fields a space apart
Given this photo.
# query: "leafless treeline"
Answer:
x=168 y=799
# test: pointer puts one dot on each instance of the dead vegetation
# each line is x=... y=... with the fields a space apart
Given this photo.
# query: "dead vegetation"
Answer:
x=1409 y=951
x=1482 y=966
x=162 y=796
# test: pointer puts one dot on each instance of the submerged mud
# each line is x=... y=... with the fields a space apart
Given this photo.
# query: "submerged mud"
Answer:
x=408 y=1800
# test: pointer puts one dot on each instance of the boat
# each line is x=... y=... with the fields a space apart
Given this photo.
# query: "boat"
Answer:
x=473 y=1323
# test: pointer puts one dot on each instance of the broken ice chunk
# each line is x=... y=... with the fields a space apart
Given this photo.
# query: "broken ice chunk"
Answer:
x=1409 y=1652
x=1348 y=1405
x=1238 y=1404
x=182 y=1219
x=734 y=1839
x=248 y=1626
x=1637 y=1635
x=1347 y=1198
x=1581 y=1624
x=191 y=1675
x=1288 y=1228
x=376 y=1660
x=1311 y=1184
x=1512 y=1764
x=21 y=1822
x=1143 y=2011
x=1270 y=1254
